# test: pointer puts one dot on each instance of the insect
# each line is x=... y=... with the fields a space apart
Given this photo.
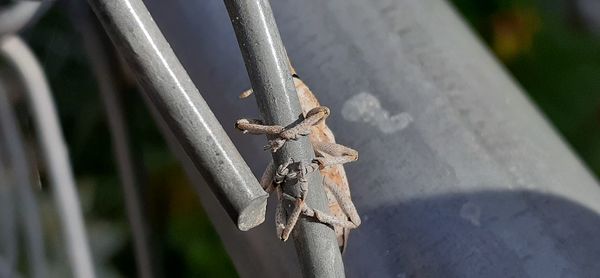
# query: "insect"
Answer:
x=329 y=158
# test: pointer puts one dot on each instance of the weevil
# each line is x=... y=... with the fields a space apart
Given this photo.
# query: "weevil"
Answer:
x=329 y=160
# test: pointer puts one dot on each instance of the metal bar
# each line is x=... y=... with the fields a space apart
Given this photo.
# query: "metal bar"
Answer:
x=29 y=211
x=18 y=14
x=8 y=221
x=54 y=151
x=170 y=90
x=267 y=65
x=99 y=58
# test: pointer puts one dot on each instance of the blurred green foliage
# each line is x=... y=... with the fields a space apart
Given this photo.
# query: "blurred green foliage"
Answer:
x=557 y=64
x=553 y=58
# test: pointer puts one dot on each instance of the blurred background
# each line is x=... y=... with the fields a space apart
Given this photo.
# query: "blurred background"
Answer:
x=552 y=48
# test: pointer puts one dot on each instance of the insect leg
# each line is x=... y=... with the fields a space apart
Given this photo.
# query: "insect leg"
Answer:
x=333 y=154
x=326 y=218
x=303 y=128
x=299 y=204
x=313 y=117
x=246 y=93
x=254 y=126
x=279 y=213
x=266 y=180
x=292 y=219
x=344 y=201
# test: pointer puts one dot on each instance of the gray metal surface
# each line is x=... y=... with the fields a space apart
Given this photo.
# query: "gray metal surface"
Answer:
x=8 y=221
x=21 y=186
x=18 y=14
x=169 y=89
x=268 y=68
x=459 y=175
x=52 y=145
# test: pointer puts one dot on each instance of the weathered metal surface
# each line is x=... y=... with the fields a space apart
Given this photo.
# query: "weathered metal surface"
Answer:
x=459 y=175
x=169 y=89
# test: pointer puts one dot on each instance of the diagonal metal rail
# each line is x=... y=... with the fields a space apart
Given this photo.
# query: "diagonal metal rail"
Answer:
x=170 y=91
x=268 y=68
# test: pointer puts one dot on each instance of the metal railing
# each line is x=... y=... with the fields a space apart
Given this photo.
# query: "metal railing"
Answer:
x=470 y=183
x=170 y=92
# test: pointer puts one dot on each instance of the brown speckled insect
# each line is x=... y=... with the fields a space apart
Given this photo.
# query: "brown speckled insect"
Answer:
x=329 y=158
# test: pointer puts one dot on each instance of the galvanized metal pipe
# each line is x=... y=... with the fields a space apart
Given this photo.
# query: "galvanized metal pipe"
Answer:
x=170 y=90
x=54 y=151
x=268 y=68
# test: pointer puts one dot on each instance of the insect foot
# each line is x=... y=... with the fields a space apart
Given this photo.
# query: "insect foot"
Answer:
x=291 y=173
x=295 y=173
x=282 y=172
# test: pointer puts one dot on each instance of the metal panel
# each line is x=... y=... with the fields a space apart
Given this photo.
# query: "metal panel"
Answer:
x=459 y=175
